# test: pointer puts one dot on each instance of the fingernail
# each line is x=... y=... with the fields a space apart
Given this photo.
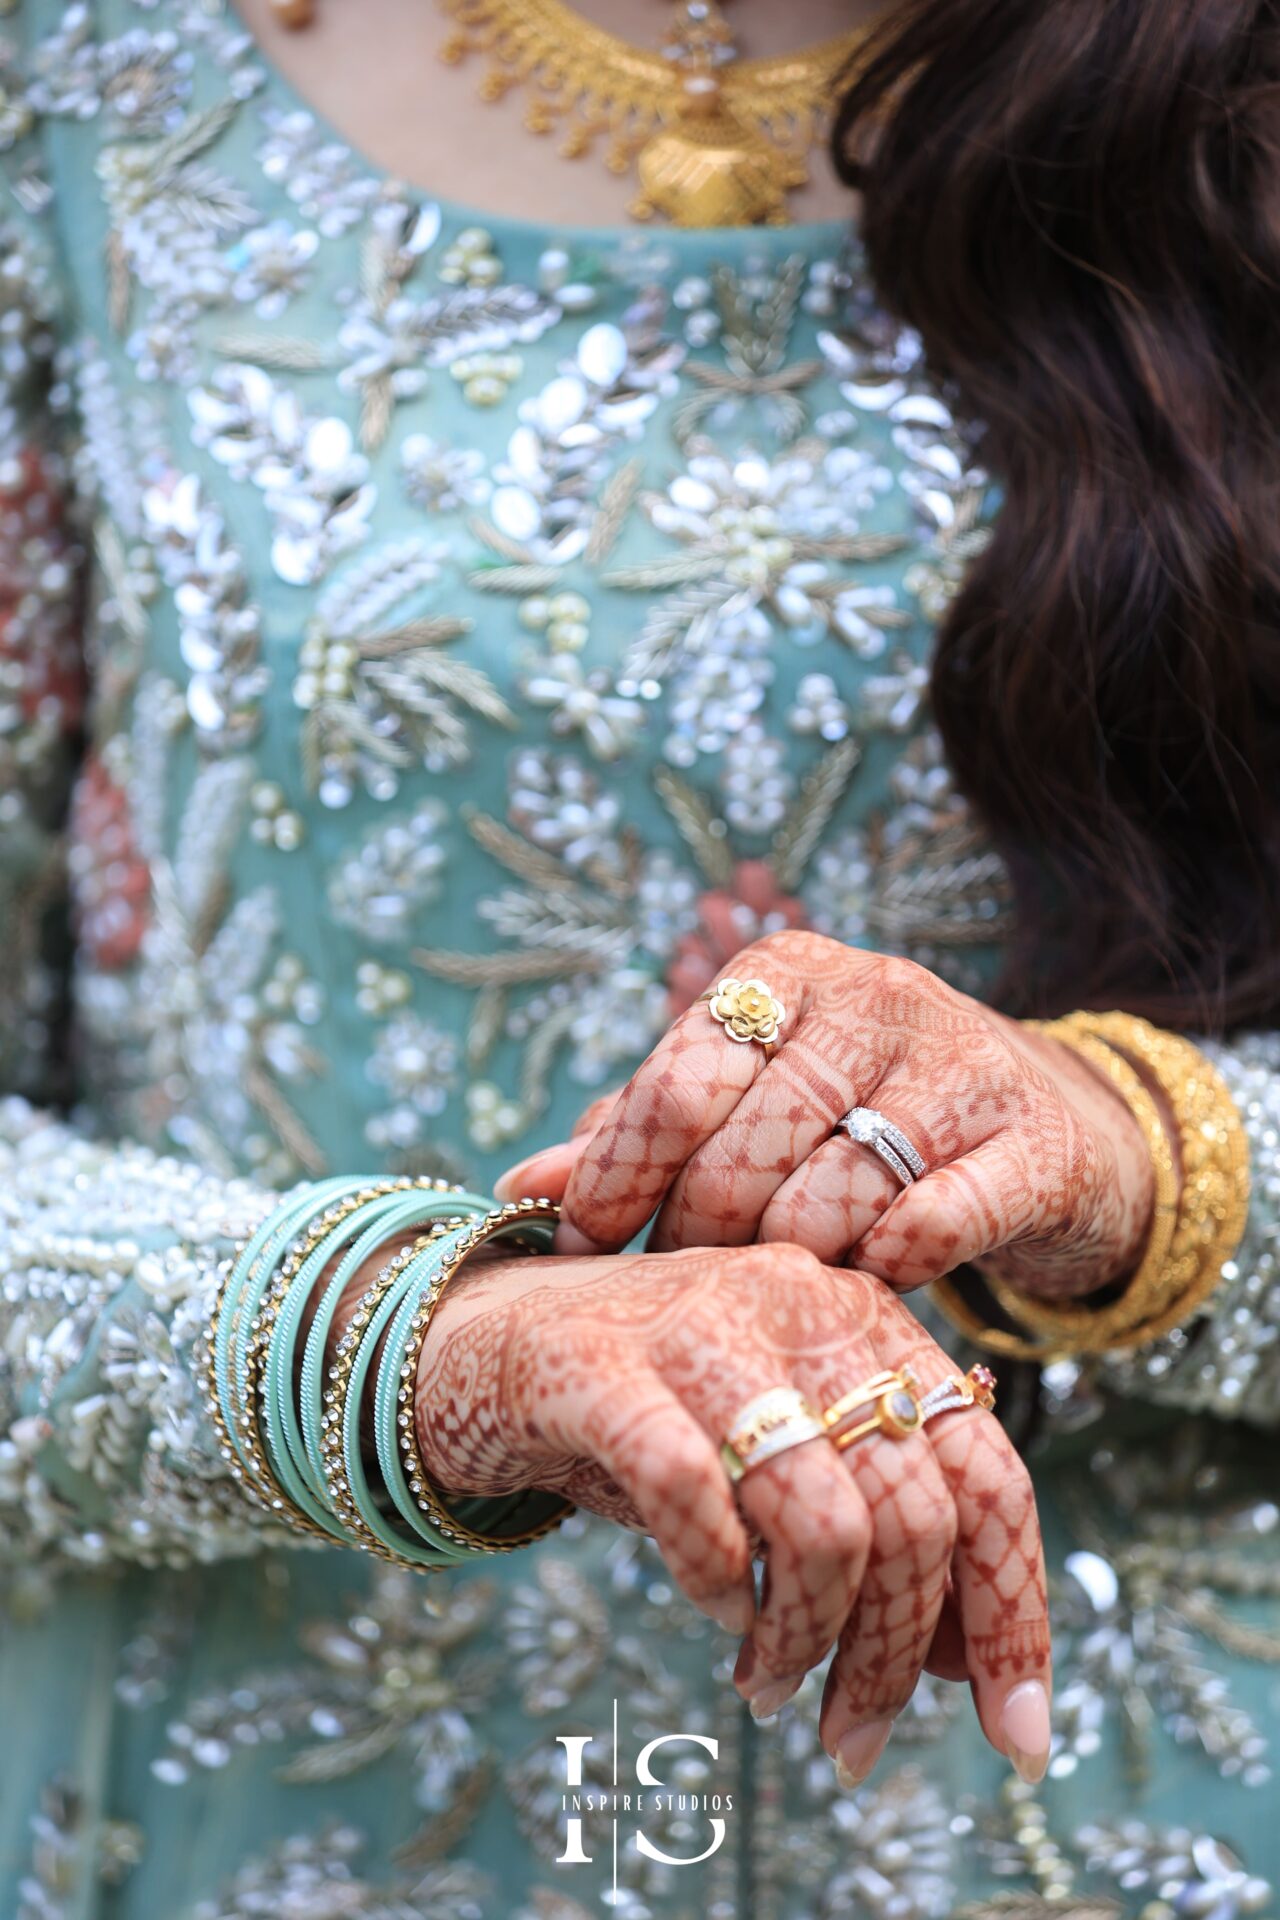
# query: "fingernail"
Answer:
x=766 y=1703
x=858 y=1750
x=518 y=1179
x=1025 y=1730
x=569 y=1240
x=734 y=1610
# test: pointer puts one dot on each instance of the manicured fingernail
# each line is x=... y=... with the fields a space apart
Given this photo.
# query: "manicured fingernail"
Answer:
x=858 y=1750
x=1025 y=1730
x=523 y=1177
x=734 y=1610
x=766 y=1703
x=569 y=1240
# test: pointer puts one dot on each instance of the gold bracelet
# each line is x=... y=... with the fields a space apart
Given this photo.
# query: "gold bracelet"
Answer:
x=502 y=1220
x=1214 y=1146
x=1161 y=1268
x=1208 y=1214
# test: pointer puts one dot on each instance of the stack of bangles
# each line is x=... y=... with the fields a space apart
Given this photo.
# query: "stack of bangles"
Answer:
x=290 y=1425
x=1198 y=1219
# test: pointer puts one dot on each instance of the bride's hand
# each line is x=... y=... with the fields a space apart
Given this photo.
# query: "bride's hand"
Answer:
x=614 y=1380
x=1027 y=1149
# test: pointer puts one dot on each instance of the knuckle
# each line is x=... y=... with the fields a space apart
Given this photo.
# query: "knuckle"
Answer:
x=837 y=1534
x=900 y=976
x=680 y=1483
x=681 y=1093
x=928 y=1514
x=788 y=1263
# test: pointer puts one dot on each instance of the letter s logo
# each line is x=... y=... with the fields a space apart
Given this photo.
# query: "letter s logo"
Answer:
x=648 y=1778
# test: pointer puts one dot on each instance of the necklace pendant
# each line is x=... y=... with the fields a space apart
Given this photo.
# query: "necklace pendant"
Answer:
x=707 y=169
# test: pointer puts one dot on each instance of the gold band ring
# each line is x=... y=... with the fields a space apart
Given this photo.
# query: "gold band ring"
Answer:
x=889 y=1403
x=775 y=1420
x=747 y=1011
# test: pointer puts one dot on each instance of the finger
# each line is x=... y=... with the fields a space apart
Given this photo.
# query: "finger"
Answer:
x=726 y=1183
x=687 y=1088
x=544 y=1175
x=997 y=1570
x=885 y=1644
x=946 y=1655
x=1001 y=1596
x=840 y=1193
x=831 y=1201
x=995 y=1194
x=669 y=1468
x=805 y=1504
x=817 y=1535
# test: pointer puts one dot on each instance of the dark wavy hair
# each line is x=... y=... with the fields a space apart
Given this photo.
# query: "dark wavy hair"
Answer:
x=1077 y=204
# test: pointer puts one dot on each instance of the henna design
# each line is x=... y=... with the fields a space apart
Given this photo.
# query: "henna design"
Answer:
x=613 y=1379
x=1036 y=1163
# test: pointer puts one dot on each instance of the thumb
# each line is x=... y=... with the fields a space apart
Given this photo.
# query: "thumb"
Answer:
x=545 y=1175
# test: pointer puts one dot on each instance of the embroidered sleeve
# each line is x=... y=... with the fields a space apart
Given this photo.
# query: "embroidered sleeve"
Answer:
x=1227 y=1360
x=108 y=1262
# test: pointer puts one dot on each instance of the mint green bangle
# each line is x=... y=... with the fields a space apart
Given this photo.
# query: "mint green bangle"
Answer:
x=368 y=1224
x=311 y=1386
x=422 y=1546
x=278 y=1227
x=473 y=1524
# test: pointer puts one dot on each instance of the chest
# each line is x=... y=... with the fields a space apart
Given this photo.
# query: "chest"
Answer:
x=519 y=619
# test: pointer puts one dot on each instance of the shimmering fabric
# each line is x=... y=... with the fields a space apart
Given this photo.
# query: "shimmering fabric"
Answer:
x=454 y=640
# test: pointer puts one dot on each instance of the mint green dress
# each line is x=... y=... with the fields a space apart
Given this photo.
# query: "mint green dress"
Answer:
x=429 y=647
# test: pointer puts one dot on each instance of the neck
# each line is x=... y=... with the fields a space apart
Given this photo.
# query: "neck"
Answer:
x=760 y=27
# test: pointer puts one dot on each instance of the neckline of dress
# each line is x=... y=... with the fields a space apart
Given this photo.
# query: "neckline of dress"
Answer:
x=812 y=238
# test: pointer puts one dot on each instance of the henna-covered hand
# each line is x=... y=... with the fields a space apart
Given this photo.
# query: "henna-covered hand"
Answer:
x=614 y=1380
x=1033 y=1159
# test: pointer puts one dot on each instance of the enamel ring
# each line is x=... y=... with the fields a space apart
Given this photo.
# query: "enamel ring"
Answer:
x=872 y=1129
x=747 y=1011
x=887 y=1403
x=767 y=1426
x=977 y=1388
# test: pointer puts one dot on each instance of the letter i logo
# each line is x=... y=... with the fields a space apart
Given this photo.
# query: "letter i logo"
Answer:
x=575 y=1745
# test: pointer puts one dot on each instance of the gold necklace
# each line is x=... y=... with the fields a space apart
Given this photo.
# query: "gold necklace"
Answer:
x=716 y=141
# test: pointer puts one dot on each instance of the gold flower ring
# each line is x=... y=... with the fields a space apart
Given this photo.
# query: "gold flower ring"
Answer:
x=747 y=1011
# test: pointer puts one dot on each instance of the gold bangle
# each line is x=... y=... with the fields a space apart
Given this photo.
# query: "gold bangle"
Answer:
x=967 y=1320
x=502 y=1220
x=1214 y=1203
x=1160 y=1269
x=1209 y=1213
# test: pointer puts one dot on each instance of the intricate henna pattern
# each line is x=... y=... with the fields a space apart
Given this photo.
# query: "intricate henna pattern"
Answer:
x=1034 y=1160
x=614 y=1378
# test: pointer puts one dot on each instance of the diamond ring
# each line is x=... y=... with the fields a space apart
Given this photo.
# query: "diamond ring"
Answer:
x=875 y=1130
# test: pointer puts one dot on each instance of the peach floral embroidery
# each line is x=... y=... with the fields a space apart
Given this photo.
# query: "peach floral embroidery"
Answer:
x=728 y=921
